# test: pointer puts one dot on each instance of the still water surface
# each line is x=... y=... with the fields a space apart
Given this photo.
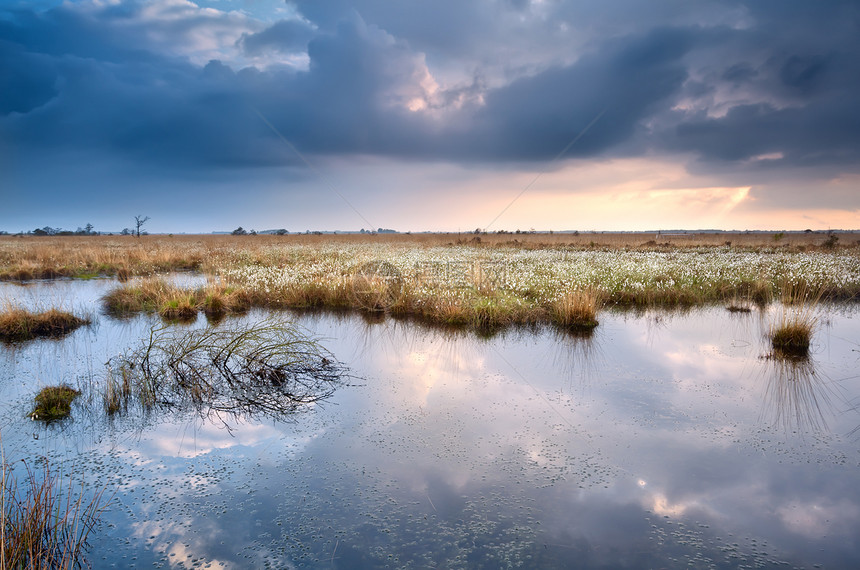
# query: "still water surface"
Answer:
x=662 y=440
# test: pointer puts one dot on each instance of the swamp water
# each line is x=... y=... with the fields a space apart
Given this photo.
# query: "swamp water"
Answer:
x=663 y=440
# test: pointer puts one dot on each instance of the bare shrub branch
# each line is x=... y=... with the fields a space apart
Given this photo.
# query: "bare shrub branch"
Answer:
x=268 y=367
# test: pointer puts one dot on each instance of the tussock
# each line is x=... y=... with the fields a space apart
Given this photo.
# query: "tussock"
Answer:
x=19 y=324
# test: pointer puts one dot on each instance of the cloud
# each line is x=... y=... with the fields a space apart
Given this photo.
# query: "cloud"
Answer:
x=33 y=78
x=751 y=93
x=286 y=36
x=535 y=117
x=364 y=91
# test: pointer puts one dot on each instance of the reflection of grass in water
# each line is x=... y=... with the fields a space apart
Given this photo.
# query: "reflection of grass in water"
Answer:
x=43 y=526
x=577 y=354
x=268 y=367
x=796 y=397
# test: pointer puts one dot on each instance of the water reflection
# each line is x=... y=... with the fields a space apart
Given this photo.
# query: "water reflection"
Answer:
x=796 y=397
x=659 y=441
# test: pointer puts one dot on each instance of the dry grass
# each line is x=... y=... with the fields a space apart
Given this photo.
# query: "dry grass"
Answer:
x=792 y=337
x=43 y=526
x=54 y=403
x=175 y=303
x=77 y=256
x=28 y=257
x=577 y=311
x=18 y=324
x=791 y=334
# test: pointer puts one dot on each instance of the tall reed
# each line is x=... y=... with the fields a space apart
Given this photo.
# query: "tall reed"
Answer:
x=43 y=525
x=576 y=310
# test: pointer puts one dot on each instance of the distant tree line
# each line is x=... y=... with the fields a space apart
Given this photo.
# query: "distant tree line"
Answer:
x=240 y=231
x=87 y=230
x=378 y=231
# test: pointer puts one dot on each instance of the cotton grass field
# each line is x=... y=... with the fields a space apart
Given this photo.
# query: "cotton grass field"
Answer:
x=485 y=282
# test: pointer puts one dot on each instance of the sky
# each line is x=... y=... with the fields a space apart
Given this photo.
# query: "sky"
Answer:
x=430 y=115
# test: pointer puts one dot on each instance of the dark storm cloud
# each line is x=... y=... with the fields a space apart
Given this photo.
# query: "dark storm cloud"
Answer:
x=286 y=36
x=726 y=81
x=791 y=81
x=352 y=99
x=535 y=117
x=803 y=110
x=28 y=80
x=70 y=93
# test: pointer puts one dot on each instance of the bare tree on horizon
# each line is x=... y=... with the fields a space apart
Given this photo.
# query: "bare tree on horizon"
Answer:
x=138 y=223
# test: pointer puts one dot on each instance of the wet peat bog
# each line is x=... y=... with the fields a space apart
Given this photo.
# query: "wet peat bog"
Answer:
x=662 y=439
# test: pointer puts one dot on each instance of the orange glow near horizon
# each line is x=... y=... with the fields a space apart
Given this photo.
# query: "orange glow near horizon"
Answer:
x=622 y=195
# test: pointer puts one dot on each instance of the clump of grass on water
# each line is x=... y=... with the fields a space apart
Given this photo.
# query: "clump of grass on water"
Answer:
x=182 y=307
x=17 y=323
x=54 y=403
x=42 y=525
x=791 y=335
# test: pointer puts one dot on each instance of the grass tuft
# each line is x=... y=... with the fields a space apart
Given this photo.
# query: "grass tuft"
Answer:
x=791 y=338
x=577 y=310
x=18 y=324
x=54 y=403
x=181 y=308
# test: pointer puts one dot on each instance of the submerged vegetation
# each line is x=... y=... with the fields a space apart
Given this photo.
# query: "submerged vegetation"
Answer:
x=54 y=403
x=18 y=324
x=269 y=367
x=42 y=525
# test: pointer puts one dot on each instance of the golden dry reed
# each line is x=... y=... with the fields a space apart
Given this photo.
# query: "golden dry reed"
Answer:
x=791 y=333
x=44 y=525
x=19 y=324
